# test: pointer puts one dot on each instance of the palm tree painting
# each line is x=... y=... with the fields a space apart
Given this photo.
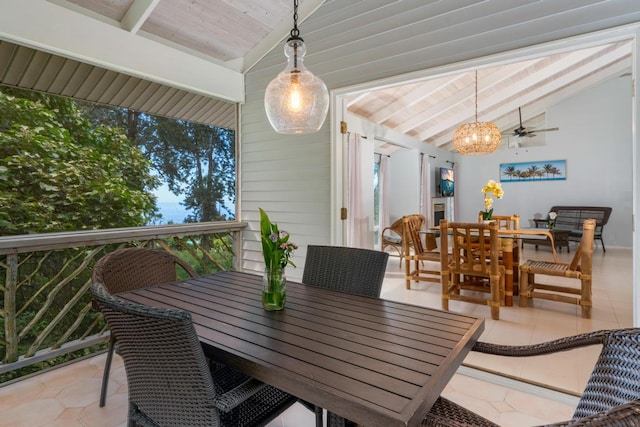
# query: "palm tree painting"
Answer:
x=552 y=170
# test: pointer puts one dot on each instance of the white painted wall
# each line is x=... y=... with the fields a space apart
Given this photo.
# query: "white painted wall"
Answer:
x=595 y=140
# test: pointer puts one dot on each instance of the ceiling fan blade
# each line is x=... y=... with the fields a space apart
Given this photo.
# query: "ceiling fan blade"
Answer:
x=544 y=130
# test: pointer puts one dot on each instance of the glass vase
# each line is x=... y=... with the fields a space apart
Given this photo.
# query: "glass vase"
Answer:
x=274 y=289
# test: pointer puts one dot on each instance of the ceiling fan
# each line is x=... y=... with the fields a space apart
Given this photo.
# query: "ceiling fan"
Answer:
x=521 y=131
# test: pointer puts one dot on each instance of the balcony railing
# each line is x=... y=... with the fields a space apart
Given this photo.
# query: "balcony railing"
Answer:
x=45 y=309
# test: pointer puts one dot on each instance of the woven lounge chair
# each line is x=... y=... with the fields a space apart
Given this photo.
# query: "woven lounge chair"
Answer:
x=392 y=236
x=610 y=399
x=168 y=377
x=351 y=270
x=129 y=269
x=580 y=269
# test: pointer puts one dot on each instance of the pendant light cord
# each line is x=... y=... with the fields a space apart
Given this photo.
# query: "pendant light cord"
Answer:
x=476 y=95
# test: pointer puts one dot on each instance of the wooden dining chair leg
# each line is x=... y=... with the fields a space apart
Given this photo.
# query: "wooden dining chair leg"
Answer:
x=585 y=297
x=107 y=370
x=524 y=287
x=494 y=302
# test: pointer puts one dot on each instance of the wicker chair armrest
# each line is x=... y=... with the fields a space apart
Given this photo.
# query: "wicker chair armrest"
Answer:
x=232 y=398
x=562 y=344
x=627 y=415
x=186 y=266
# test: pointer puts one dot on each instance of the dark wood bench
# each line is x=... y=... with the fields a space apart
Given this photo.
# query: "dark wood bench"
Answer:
x=571 y=218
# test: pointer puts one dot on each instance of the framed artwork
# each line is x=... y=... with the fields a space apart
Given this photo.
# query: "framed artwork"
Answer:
x=548 y=170
x=447 y=182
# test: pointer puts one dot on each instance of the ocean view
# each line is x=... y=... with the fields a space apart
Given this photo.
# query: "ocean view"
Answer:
x=172 y=212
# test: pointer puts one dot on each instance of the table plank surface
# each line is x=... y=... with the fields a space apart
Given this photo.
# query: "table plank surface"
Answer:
x=375 y=362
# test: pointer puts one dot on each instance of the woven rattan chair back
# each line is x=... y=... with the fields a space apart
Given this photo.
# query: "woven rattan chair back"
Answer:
x=611 y=397
x=615 y=379
x=129 y=269
x=169 y=380
x=351 y=270
x=473 y=264
x=134 y=268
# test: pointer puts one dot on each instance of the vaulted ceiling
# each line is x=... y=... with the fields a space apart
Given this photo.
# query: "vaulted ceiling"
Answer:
x=431 y=110
x=187 y=58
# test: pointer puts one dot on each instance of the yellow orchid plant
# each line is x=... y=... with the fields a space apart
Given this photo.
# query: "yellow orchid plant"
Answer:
x=490 y=188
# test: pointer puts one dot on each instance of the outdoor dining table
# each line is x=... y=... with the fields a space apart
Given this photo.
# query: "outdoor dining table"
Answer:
x=373 y=361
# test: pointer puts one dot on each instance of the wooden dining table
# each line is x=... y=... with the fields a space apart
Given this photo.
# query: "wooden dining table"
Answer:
x=370 y=360
x=510 y=250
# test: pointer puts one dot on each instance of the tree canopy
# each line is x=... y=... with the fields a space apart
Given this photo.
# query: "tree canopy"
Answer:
x=59 y=172
x=196 y=161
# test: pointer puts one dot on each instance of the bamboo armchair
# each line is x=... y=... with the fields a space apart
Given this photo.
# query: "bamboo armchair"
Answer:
x=129 y=269
x=610 y=399
x=169 y=380
x=417 y=253
x=580 y=269
x=473 y=265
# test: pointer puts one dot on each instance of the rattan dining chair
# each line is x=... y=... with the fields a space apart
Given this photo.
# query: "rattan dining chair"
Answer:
x=169 y=380
x=611 y=397
x=473 y=265
x=129 y=269
x=579 y=269
x=351 y=270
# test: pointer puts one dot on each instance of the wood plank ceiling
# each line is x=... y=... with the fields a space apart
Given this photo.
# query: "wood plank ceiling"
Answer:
x=237 y=34
x=431 y=110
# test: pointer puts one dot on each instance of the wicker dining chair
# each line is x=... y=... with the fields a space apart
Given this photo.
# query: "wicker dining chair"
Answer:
x=611 y=397
x=129 y=269
x=169 y=380
x=579 y=269
x=351 y=270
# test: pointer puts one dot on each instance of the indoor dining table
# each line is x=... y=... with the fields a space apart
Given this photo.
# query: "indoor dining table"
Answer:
x=373 y=361
x=510 y=250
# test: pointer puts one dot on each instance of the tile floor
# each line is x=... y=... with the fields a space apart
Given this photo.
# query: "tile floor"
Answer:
x=68 y=396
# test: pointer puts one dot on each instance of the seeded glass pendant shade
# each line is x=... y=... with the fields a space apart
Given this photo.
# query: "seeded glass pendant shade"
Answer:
x=477 y=137
x=296 y=101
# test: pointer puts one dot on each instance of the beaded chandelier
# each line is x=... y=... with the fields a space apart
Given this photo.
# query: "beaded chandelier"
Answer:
x=477 y=137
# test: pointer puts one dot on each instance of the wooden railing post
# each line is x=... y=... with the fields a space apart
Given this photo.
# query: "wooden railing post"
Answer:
x=11 y=334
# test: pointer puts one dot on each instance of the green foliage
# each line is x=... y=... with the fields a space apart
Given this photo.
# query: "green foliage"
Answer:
x=276 y=247
x=58 y=172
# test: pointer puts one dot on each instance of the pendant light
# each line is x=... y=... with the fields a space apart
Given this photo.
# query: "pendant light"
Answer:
x=296 y=101
x=477 y=137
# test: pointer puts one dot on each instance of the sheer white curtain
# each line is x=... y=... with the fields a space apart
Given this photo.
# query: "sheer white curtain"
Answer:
x=383 y=176
x=356 y=217
x=425 y=195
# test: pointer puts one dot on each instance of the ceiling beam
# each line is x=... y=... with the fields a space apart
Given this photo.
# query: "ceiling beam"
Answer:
x=138 y=12
x=46 y=26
